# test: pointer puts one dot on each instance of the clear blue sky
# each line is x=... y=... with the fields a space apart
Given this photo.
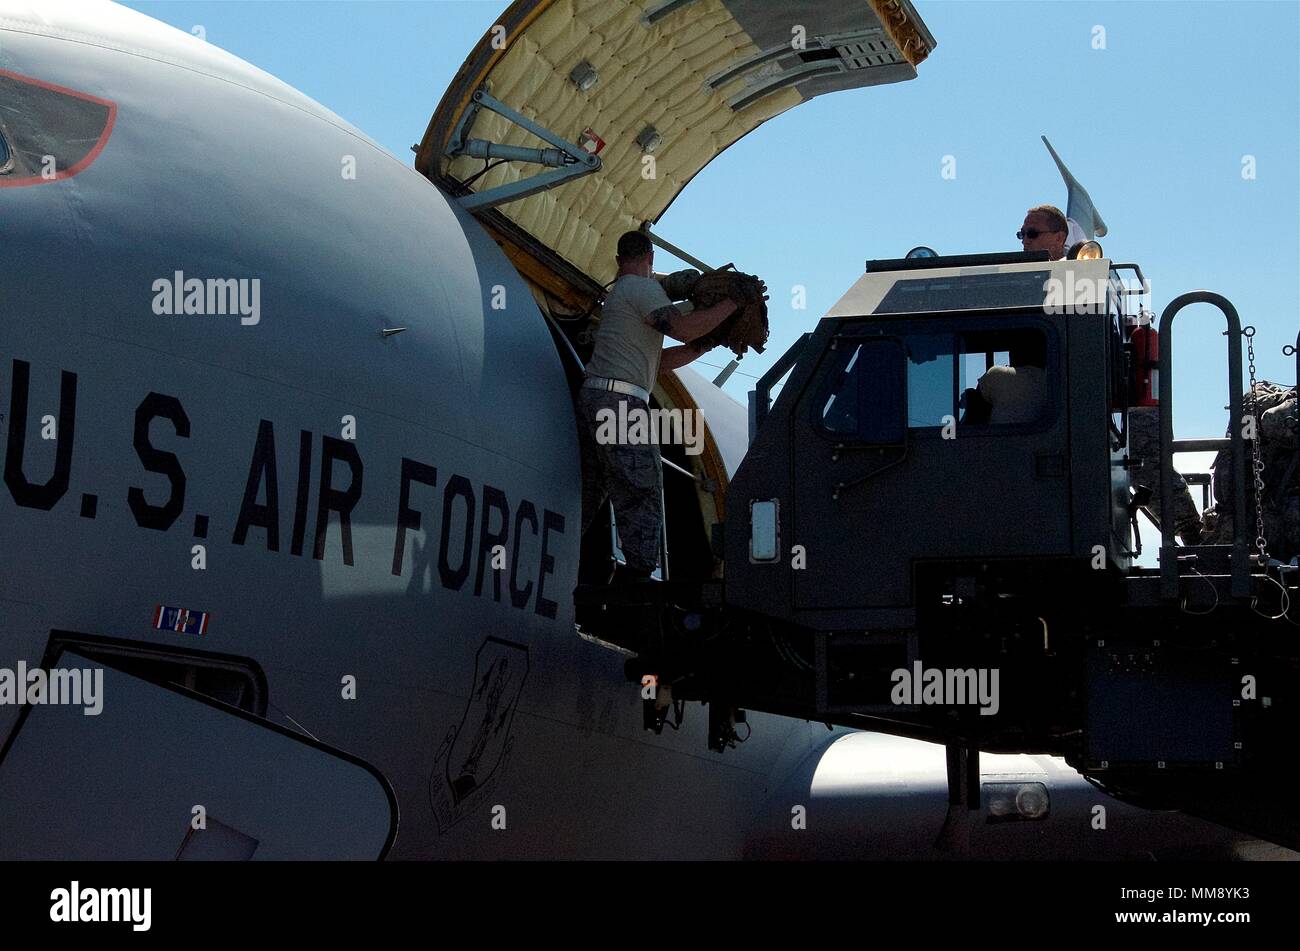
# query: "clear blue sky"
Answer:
x=1155 y=126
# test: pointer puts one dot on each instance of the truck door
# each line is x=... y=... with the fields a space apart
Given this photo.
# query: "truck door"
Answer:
x=927 y=438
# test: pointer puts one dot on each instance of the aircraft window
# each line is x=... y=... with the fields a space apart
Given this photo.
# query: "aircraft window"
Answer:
x=41 y=120
x=231 y=680
x=971 y=292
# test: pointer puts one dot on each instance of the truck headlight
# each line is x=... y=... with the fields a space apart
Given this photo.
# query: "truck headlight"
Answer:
x=1012 y=802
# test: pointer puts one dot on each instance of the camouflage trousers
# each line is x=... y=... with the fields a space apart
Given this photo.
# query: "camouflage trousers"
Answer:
x=1144 y=444
x=630 y=476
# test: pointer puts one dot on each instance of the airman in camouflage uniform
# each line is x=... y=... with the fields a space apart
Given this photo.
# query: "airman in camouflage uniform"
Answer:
x=630 y=475
x=1144 y=444
x=624 y=365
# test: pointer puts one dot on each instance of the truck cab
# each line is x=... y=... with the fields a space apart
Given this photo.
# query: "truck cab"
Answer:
x=953 y=417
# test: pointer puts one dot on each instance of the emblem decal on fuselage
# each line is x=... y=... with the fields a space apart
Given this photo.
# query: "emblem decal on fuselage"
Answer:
x=473 y=755
x=180 y=620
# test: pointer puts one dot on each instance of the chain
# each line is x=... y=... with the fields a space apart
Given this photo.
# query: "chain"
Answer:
x=1260 y=542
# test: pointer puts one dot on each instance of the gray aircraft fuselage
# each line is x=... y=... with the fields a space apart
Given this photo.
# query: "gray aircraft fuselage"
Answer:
x=322 y=497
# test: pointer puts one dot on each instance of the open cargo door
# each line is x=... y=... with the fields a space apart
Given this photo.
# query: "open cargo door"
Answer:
x=574 y=121
x=590 y=116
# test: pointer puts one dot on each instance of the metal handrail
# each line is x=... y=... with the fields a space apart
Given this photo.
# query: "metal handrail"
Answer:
x=760 y=401
x=1295 y=350
x=1169 y=573
x=1143 y=287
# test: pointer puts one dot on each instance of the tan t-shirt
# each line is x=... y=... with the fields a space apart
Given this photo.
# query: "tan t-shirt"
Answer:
x=627 y=348
x=1015 y=393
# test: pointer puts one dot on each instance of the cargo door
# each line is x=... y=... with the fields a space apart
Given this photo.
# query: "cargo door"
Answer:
x=131 y=780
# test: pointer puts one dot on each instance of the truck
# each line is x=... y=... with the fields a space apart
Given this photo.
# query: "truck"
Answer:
x=900 y=556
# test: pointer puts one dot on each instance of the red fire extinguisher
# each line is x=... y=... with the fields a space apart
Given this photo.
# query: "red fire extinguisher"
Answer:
x=1144 y=376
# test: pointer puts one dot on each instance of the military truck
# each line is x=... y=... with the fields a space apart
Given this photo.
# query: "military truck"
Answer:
x=934 y=534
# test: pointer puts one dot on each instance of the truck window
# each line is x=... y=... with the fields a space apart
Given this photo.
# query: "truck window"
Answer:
x=947 y=374
x=1006 y=378
x=930 y=360
x=969 y=292
x=862 y=397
